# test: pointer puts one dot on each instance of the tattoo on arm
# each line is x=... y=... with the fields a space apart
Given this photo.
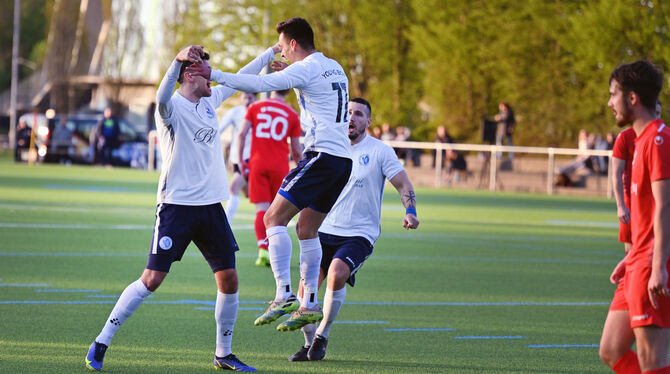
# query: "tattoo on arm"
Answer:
x=409 y=199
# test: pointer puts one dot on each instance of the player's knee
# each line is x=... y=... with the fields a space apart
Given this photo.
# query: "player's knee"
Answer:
x=226 y=280
x=306 y=231
x=152 y=281
x=608 y=355
x=338 y=274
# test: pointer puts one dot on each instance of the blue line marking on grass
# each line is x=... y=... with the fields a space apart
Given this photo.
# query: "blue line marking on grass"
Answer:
x=363 y=322
x=437 y=303
x=25 y=285
x=565 y=346
x=400 y=330
x=488 y=337
x=106 y=296
x=65 y=290
x=212 y=308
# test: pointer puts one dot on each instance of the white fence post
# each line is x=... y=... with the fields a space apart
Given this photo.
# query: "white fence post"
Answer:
x=550 y=172
x=493 y=168
x=438 y=167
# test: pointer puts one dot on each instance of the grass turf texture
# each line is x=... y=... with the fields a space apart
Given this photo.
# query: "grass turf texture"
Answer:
x=481 y=264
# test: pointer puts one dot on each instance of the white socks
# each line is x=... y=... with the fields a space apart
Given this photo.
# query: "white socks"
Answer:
x=279 y=249
x=309 y=330
x=332 y=302
x=225 y=314
x=131 y=299
x=310 y=265
x=231 y=207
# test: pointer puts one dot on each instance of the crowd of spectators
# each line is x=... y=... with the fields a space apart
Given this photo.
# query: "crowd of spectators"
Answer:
x=584 y=164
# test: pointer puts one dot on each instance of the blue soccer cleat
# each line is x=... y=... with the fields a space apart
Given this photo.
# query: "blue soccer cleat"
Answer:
x=95 y=356
x=231 y=362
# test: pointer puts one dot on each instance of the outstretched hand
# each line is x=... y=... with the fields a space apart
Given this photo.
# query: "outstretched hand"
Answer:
x=276 y=48
x=277 y=65
x=202 y=69
x=192 y=54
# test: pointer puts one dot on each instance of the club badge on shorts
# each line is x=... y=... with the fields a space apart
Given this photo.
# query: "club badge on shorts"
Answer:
x=165 y=243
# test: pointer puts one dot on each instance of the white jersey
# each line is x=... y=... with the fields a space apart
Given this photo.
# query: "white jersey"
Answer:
x=322 y=89
x=357 y=212
x=193 y=171
x=235 y=117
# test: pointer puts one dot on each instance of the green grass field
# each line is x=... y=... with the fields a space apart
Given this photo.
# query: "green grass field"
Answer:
x=490 y=283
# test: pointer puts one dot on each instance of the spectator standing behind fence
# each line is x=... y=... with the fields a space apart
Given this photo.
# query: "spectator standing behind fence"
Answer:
x=107 y=134
x=22 y=139
x=377 y=132
x=505 y=129
x=442 y=136
x=458 y=167
x=387 y=132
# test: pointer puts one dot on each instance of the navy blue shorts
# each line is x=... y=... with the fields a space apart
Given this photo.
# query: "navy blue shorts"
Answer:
x=316 y=181
x=177 y=225
x=352 y=250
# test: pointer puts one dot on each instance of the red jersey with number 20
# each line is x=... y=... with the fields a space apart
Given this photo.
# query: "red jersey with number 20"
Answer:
x=272 y=122
x=651 y=162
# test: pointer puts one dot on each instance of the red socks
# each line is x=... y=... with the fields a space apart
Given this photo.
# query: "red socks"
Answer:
x=259 y=227
x=627 y=364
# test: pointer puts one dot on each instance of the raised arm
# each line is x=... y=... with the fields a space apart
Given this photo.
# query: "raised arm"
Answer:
x=295 y=75
x=169 y=81
x=402 y=183
x=619 y=167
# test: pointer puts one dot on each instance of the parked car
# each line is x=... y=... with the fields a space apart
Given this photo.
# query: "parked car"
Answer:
x=132 y=149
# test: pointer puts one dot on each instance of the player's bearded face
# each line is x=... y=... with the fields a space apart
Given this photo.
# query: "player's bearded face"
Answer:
x=358 y=120
x=623 y=113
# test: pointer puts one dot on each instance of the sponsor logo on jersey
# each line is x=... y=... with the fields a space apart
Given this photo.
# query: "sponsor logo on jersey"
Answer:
x=204 y=135
x=328 y=73
x=165 y=243
x=364 y=159
x=359 y=183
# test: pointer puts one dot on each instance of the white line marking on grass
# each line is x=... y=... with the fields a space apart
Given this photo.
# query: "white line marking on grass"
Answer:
x=488 y=337
x=76 y=226
x=560 y=222
x=565 y=346
x=106 y=296
x=25 y=285
x=65 y=290
x=421 y=330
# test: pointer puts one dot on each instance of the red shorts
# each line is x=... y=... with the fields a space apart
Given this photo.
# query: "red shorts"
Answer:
x=264 y=183
x=640 y=310
x=619 y=299
x=624 y=233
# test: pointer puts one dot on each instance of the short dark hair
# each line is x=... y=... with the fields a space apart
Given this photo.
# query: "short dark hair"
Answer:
x=361 y=100
x=641 y=77
x=299 y=30
x=204 y=56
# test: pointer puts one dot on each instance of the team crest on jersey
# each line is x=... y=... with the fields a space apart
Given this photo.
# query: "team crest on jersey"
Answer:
x=364 y=159
x=209 y=113
x=204 y=135
x=165 y=243
x=658 y=140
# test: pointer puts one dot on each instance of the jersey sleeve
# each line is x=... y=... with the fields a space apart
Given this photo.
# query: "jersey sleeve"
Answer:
x=659 y=157
x=254 y=67
x=227 y=120
x=251 y=113
x=390 y=164
x=294 y=76
x=619 y=150
x=165 y=90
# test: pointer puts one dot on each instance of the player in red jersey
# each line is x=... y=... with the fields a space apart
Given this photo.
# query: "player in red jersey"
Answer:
x=272 y=122
x=642 y=315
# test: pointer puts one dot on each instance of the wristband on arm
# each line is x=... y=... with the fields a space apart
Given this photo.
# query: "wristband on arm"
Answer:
x=410 y=210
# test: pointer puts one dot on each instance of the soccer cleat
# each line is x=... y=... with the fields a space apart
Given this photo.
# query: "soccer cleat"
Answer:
x=301 y=355
x=278 y=309
x=231 y=362
x=318 y=349
x=263 y=259
x=301 y=317
x=95 y=356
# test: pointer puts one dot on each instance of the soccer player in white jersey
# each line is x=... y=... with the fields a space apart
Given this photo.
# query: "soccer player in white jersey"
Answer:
x=235 y=118
x=313 y=186
x=353 y=225
x=192 y=185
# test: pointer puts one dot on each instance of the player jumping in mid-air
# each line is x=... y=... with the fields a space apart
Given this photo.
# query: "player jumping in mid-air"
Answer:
x=640 y=310
x=270 y=123
x=192 y=185
x=313 y=186
x=353 y=225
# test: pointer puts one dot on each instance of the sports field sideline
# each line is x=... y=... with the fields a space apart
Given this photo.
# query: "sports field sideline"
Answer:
x=489 y=283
